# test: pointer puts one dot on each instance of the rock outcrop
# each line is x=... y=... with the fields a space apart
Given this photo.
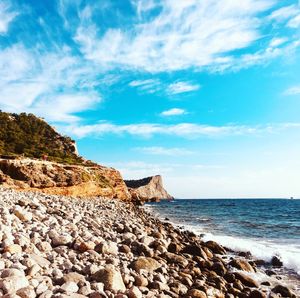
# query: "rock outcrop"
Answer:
x=149 y=189
x=55 y=178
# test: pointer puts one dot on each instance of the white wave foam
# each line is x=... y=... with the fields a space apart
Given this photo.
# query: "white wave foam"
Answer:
x=265 y=250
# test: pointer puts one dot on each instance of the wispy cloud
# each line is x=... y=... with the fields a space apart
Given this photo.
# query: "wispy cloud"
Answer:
x=156 y=150
x=295 y=90
x=182 y=87
x=185 y=130
x=173 y=112
x=51 y=84
x=275 y=42
x=189 y=34
x=290 y=15
x=149 y=85
x=7 y=14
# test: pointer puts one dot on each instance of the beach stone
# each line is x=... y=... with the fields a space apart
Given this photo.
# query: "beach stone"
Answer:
x=145 y=263
x=246 y=280
x=257 y=294
x=22 y=214
x=44 y=246
x=13 y=249
x=283 y=291
x=85 y=290
x=219 y=268
x=13 y=283
x=276 y=261
x=41 y=261
x=33 y=270
x=74 y=277
x=140 y=281
x=27 y=292
x=124 y=249
x=12 y=272
x=241 y=265
x=60 y=239
x=70 y=287
x=194 y=293
x=176 y=259
x=111 y=278
x=215 y=247
x=107 y=247
x=194 y=250
x=85 y=246
x=174 y=247
x=134 y=292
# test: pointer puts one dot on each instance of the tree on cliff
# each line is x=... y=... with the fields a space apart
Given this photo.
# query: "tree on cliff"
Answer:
x=28 y=135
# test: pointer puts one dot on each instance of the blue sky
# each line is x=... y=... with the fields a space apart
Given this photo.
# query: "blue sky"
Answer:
x=206 y=93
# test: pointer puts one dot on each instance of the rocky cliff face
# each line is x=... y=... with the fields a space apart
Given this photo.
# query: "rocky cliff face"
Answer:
x=54 y=178
x=147 y=190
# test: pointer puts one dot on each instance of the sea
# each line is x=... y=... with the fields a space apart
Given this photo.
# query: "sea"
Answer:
x=265 y=227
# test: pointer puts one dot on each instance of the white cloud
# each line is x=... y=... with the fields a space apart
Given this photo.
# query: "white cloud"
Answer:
x=173 y=112
x=138 y=83
x=295 y=22
x=60 y=108
x=185 y=130
x=156 y=150
x=51 y=84
x=149 y=86
x=183 y=34
x=295 y=90
x=182 y=87
x=288 y=14
x=6 y=16
x=275 y=42
x=284 y=13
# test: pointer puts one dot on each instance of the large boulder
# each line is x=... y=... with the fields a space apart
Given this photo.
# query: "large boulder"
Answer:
x=111 y=278
x=246 y=280
x=145 y=263
x=242 y=264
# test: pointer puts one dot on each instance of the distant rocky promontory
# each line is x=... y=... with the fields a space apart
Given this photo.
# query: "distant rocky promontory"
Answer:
x=148 y=189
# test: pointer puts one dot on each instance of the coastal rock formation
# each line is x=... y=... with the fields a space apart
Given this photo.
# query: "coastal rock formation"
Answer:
x=55 y=178
x=148 y=189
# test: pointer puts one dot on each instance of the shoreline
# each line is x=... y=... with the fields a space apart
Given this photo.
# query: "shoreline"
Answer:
x=235 y=246
x=55 y=246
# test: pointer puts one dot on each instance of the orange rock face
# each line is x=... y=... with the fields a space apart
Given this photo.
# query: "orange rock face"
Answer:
x=71 y=180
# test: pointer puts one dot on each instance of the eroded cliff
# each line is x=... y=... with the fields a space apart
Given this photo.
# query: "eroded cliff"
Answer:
x=55 y=178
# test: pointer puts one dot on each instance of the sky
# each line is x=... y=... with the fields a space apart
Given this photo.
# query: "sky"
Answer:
x=204 y=92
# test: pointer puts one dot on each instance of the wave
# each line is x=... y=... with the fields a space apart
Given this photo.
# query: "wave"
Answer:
x=260 y=249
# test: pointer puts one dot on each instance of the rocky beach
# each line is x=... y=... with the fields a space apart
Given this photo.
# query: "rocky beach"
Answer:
x=56 y=246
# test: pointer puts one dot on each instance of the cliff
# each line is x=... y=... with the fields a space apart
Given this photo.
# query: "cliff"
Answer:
x=149 y=189
x=55 y=178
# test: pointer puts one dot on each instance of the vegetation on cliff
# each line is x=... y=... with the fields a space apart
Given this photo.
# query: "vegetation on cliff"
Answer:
x=30 y=136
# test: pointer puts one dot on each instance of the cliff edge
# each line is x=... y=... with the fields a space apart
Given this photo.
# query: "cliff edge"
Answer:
x=62 y=179
x=148 y=189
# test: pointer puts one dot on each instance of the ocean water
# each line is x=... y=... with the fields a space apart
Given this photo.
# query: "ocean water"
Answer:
x=265 y=227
